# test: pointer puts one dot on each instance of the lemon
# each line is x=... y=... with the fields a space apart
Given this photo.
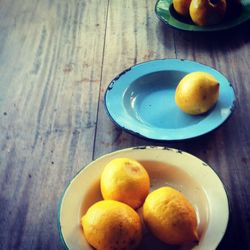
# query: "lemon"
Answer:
x=111 y=224
x=197 y=92
x=170 y=216
x=125 y=180
x=182 y=7
x=207 y=12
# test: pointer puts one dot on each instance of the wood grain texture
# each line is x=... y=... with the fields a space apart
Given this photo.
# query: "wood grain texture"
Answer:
x=133 y=36
x=227 y=149
x=51 y=60
x=57 y=58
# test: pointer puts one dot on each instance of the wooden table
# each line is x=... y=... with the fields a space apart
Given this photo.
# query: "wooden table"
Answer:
x=56 y=60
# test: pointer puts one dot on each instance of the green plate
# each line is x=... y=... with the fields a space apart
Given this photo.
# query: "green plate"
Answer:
x=166 y=13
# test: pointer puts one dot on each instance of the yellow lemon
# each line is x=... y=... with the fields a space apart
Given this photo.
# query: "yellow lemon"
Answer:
x=111 y=224
x=125 y=180
x=170 y=216
x=207 y=12
x=182 y=7
x=197 y=92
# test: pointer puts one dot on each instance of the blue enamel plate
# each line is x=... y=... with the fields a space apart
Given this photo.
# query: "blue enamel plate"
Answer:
x=141 y=101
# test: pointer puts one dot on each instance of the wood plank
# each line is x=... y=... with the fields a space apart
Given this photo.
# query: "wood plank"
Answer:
x=50 y=64
x=226 y=149
x=53 y=56
x=134 y=35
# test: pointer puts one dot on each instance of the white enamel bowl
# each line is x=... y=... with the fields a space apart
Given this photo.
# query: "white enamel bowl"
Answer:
x=166 y=166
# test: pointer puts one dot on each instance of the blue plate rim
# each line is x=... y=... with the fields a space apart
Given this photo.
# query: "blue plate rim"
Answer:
x=166 y=138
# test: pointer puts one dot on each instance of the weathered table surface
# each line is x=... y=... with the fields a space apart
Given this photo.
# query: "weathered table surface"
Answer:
x=56 y=59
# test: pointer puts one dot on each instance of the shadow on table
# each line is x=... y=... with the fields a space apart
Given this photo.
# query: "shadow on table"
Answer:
x=228 y=39
x=235 y=237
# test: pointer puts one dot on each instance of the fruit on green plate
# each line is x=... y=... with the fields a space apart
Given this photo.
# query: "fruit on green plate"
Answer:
x=182 y=7
x=207 y=12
